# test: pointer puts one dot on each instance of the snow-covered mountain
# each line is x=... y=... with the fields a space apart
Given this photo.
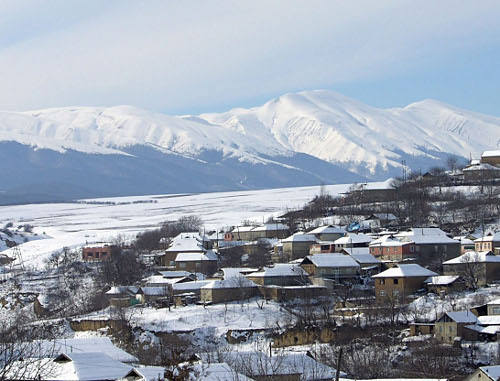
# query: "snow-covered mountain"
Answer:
x=297 y=139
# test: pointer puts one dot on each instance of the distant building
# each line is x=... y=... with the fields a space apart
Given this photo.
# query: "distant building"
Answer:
x=352 y=240
x=431 y=243
x=298 y=245
x=491 y=158
x=333 y=266
x=93 y=253
x=391 y=248
x=281 y=274
x=228 y=290
x=477 y=268
x=444 y=284
x=205 y=263
x=328 y=233
x=192 y=242
x=397 y=283
x=485 y=373
x=487 y=243
x=451 y=325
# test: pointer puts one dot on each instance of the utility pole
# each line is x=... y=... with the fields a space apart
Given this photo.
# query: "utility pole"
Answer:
x=339 y=358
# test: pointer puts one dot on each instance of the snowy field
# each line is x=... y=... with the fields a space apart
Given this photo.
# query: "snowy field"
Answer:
x=75 y=224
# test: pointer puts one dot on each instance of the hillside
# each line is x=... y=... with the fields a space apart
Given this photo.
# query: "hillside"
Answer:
x=298 y=139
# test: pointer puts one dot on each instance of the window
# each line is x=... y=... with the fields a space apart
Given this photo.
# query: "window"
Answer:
x=395 y=281
x=182 y=265
x=382 y=281
x=441 y=329
x=395 y=292
x=496 y=310
x=412 y=248
x=451 y=328
x=382 y=293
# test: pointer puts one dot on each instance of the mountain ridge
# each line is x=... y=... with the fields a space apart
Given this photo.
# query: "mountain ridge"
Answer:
x=321 y=135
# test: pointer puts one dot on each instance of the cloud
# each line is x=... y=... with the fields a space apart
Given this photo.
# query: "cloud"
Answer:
x=165 y=55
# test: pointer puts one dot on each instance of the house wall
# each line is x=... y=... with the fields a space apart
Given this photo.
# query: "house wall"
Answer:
x=492 y=160
x=283 y=294
x=330 y=272
x=446 y=251
x=421 y=329
x=493 y=309
x=446 y=331
x=222 y=295
x=478 y=375
x=393 y=253
x=101 y=253
x=486 y=272
x=279 y=280
x=446 y=289
x=204 y=267
x=296 y=250
x=399 y=288
x=486 y=246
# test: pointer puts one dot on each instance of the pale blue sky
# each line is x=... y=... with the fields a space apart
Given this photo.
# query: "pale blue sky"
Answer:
x=201 y=56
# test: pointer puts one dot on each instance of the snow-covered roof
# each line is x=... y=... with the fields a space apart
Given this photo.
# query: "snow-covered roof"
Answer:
x=424 y=236
x=154 y=291
x=196 y=285
x=405 y=271
x=118 y=290
x=332 y=260
x=233 y=282
x=382 y=216
x=215 y=372
x=474 y=257
x=230 y=272
x=490 y=237
x=464 y=240
x=301 y=237
x=196 y=257
x=46 y=348
x=86 y=366
x=493 y=371
x=270 y=227
x=242 y=229
x=158 y=279
x=390 y=241
x=353 y=238
x=491 y=153
x=496 y=301
x=462 y=316
x=280 y=269
x=330 y=229
x=364 y=258
x=489 y=320
x=441 y=280
x=187 y=242
x=489 y=330
x=481 y=167
x=175 y=274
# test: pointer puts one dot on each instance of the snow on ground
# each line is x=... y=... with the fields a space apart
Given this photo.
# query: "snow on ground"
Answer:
x=222 y=317
x=75 y=224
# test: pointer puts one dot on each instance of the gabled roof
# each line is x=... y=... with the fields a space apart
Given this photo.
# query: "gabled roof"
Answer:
x=364 y=258
x=196 y=257
x=270 y=227
x=463 y=317
x=331 y=260
x=153 y=291
x=490 y=237
x=104 y=345
x=233 y=282
x=175 y=274
x=489 y=320
x=88 y=366
x=301 y=237
x=353 y=238
x=491 y=153
x=120 y=290
x=405 y=271
x=474 y=257
x=281 y=270
x=230 y=272
x=196 y=285
x=188 y=242
x=427 y=236
x=216 y=372
x=330 y=229
x=493 y=371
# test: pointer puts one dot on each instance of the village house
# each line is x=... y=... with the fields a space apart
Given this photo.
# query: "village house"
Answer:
x=476 y=268
x=352 y=240
x=228 y=290
x=431 y=243
x=271 y=230
x=362 y=255
x=397 y=283
x=292 y=293
x=475 y=172
x=205 y=263
x=122 y=296
x=281 y=274
x=157 y=295
x=96 y=366
x=451 y=325
x=444 y=284
x=189 y=288
x=485 y=373
x=487 y=243
x=240 y=233
x=95 y=253
x=332 y=266
x=491 y=157
x=466 y=243
x=328 y=233
x=184 y=243
x=378 y=221
x=390 y=248
x=298 y=245
x=494 y=307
